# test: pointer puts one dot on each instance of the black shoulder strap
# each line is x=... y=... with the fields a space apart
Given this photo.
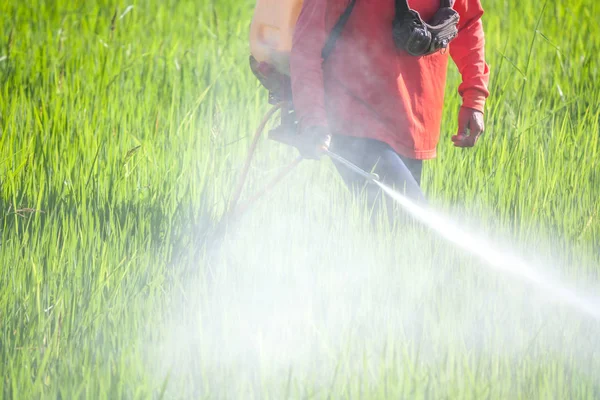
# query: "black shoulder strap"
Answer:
x=336 y=32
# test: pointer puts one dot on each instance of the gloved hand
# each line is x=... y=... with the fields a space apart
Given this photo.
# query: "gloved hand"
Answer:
x=313 y=141
x=470 y=127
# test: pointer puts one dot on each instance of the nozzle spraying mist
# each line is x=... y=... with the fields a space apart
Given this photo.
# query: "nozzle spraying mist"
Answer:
x=479 y=247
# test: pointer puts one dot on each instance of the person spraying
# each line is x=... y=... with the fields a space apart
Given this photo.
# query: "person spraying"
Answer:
x=375 y=100
x=366 y=80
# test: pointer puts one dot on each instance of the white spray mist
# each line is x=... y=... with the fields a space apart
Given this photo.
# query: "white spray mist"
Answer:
x=493 y=258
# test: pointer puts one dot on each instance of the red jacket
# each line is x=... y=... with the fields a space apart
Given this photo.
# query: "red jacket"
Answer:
x=367 y=88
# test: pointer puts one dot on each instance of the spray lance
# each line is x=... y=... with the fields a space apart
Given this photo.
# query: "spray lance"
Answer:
x=369 y=176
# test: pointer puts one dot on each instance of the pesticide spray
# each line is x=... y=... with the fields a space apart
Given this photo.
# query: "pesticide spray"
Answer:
x=490 y=256
x=286 y=301
x=289 y=305
x=448 y=230
x=478 y=247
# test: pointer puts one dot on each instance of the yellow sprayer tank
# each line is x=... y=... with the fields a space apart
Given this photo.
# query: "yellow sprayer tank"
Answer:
x=272 y=30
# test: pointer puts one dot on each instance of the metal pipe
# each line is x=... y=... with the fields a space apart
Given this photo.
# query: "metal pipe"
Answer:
x=371 y=177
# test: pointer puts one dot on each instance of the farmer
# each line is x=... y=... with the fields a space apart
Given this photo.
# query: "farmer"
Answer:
x=375 y=104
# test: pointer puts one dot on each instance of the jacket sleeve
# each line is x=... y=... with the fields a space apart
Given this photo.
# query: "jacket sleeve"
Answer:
x=306 y=64
x=468 y=53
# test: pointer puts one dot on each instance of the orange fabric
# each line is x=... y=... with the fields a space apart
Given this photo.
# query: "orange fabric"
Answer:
x=368 y=88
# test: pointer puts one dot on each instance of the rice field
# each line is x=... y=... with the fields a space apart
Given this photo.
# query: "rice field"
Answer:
x=123 y=129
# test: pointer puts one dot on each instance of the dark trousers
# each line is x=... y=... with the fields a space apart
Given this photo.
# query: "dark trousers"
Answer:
x=401 y=173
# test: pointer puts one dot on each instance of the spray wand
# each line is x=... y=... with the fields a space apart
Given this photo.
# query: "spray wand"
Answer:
x=371 y=177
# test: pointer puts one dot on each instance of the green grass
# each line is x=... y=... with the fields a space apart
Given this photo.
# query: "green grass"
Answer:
x=121 y=135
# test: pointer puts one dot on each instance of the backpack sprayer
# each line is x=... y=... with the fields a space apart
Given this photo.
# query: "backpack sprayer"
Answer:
x=271 y=35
